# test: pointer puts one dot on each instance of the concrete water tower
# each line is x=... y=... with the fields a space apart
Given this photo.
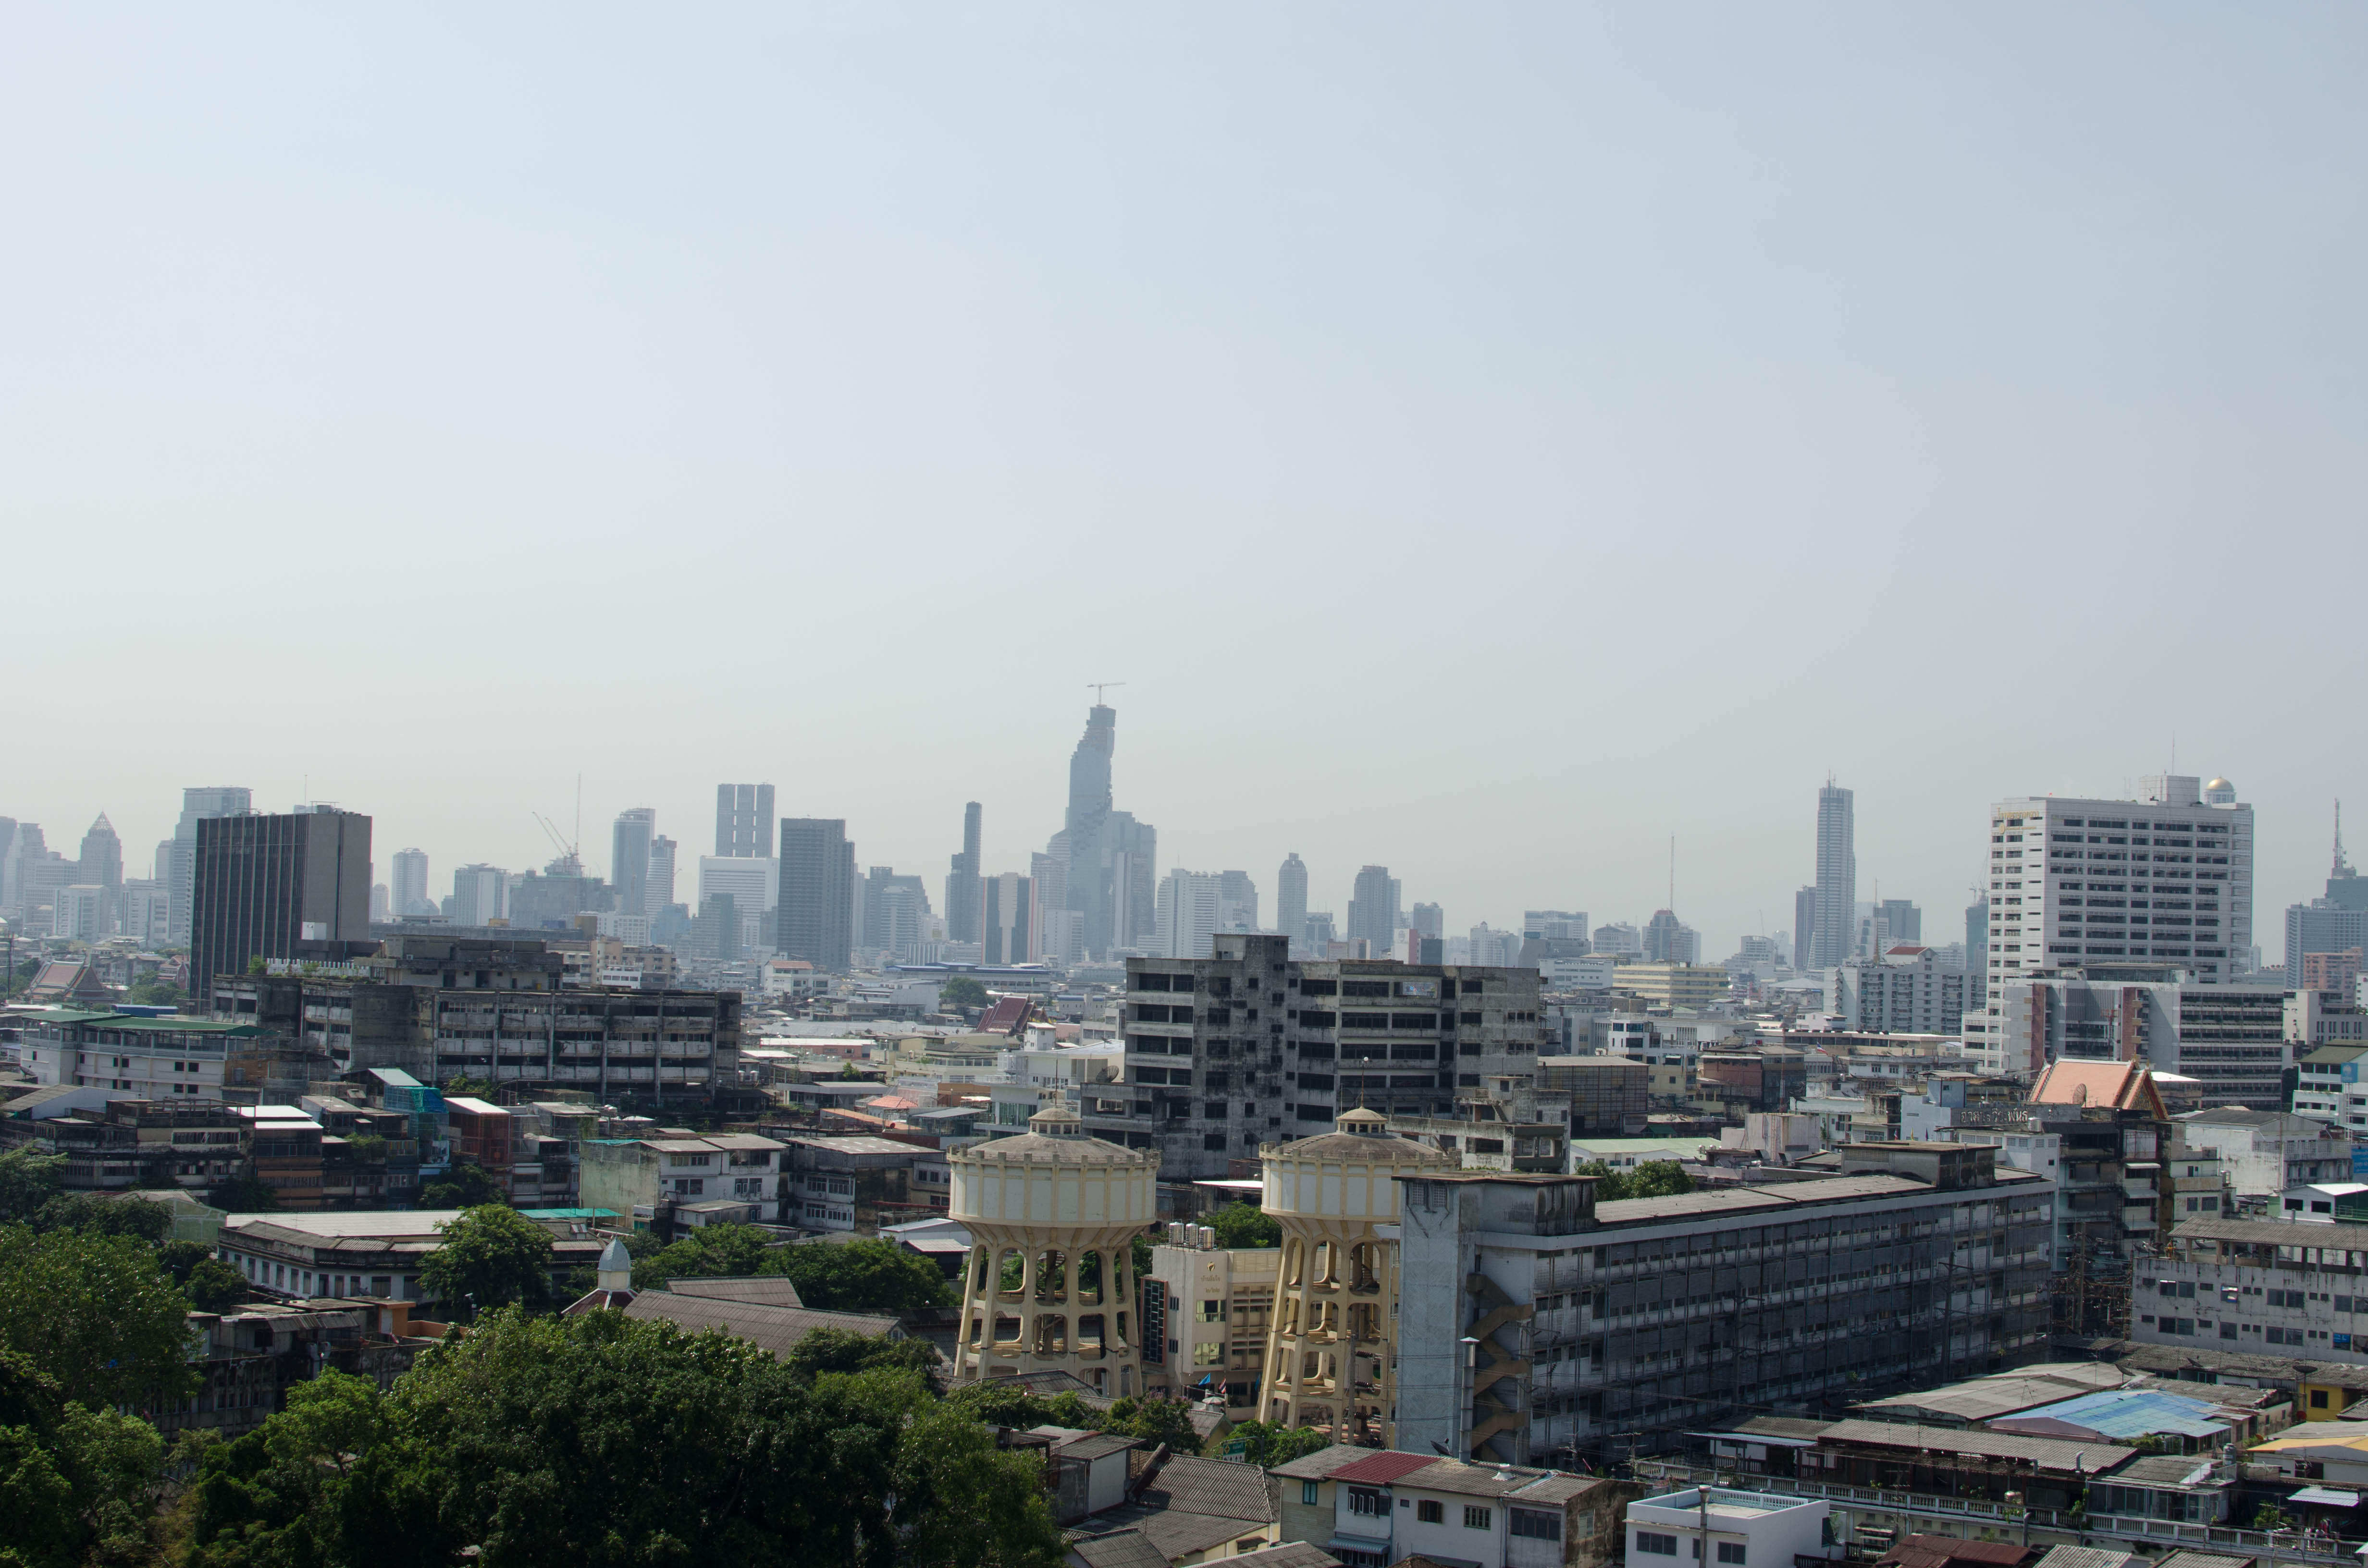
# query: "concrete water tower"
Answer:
x=1331 y=1355
x=1049 y=1286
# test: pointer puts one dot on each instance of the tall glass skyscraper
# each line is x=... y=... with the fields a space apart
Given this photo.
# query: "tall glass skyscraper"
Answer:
x=1830 y=942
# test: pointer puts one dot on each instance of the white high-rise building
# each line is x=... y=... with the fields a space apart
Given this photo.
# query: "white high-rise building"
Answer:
x=1836 y=905
x=1188 y=907
x=478 y=895
x=2165 y=880
x=410 y=884
x=753 y=882
x=1908 y=990
x=660 y=889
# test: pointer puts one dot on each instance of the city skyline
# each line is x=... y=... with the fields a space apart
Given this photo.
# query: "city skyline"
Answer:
x=1331 y=887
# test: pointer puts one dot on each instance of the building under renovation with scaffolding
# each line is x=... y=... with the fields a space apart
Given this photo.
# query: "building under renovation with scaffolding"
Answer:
x=1539 y=1326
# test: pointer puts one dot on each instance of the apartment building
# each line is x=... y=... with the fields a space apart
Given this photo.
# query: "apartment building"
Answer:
x=1372 y=1507
x=1907 y=990
x=169 y=1057
x=2264 y=1287
x=632 y=1176
x=1206 y=1310
x=1609 y=1097
x=2167 y=878
x=1535 y=1321
x=2230 y=1039
x=2266 y=1152
x=2328 y=1086
x=376 y=1253
x=1245 y=1046
x=656 y=1045
x=133 y=1144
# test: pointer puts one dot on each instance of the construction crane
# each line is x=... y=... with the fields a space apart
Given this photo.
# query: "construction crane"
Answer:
x=1099 y=687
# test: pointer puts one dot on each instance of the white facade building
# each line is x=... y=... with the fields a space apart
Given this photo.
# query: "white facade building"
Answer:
x=1191 y=904
x=480 y=895
x=2166 y=879
x=80 y=913
x=1907 y=991
x=145 y=912
x=753 y=883
x=1733 y=1529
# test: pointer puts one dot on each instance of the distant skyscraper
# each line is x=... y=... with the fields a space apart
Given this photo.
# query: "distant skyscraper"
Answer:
x=1009 y=919
x=1804 y=925
x=744 y=819
x=1551 y=925
x=1237 y=902
x=1977 y=935
x=1372 y=909
x=1188 y=915
x=629 y=858
x=891 y=907
x=1291 y=901
x=2169 y=877
x=1113 y=859
x=658 y=891
x=1431 y=921
x=963 y=911
x=754 y=884
x=1832 y=935
x=2346 y=887
x=410 y=882
x=261 y=884
x=817 y=896
x=102 y=857
x=478 y=895
x=1666 y=939
x=197 y=805
x=381 y=902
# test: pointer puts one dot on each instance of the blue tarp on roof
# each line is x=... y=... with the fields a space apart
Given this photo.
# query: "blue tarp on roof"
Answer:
x=2126 y=1412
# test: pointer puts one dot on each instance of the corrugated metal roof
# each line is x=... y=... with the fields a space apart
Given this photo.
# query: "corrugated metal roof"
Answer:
x=2050 y=1453
x=2275 y=1233
x=2128 y=1412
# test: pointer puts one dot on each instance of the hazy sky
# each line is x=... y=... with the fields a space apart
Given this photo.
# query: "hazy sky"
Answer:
x=1487 y=440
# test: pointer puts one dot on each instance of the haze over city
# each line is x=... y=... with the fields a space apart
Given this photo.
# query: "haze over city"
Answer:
x=1488 y=445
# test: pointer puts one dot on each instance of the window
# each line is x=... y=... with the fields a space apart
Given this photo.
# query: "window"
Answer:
x=1531 y=1524
x=1654 y=1545
x=1212 y=1311
x=1478 y=1518
x=1368 y=1502
x=1430 y=1511
x=1730 y=1552
x=1307 y=1491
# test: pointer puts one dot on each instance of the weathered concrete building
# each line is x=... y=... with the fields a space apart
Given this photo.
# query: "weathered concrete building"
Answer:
x=1226 y=1052
x=1536 y=1321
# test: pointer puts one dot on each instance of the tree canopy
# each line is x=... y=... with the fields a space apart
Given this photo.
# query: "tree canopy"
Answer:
x=28 y=1180
x=601 y=1441
x=961 y=990
x=244 y=1194
x=98 y=1314
x=706 y=1251
x=462 y=1186
x=1240 y=1224
x=492 y=1256
x=1653 y=1178
x=1271 y=1443
x=867 y=1276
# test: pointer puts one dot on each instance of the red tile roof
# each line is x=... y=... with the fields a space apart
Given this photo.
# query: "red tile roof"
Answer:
x=2124 y=1086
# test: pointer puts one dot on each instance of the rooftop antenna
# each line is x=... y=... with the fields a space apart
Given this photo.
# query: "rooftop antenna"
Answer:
x=2342 y=866
x=1099 y=687
x=1673 y=873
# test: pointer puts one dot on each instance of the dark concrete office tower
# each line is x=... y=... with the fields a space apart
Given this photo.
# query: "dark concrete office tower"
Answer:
x=1374 y=910
x=1291 y=901
x=262 y=884
x=629 y=858
x=962 y=892
x=743 y=820
x=817 y=907
x=1832 y=941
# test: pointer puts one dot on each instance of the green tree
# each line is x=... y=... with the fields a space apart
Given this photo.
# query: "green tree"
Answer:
x=245 y=1195
x=1271 y=1443
x=104 y=1216
x=156 y=993
x=1011 y=1405
x=708 y=1252
x=961 y=990
x=30 y=1180
x=1239 y=1224
x=463 y=1185
x=826 y=1351
x=1659 y=1178
x=1167 y=1421
x=212 y=1285
x=98 y=1314
x=74 y=1481
x=491 y=1256
x=867 y=1276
